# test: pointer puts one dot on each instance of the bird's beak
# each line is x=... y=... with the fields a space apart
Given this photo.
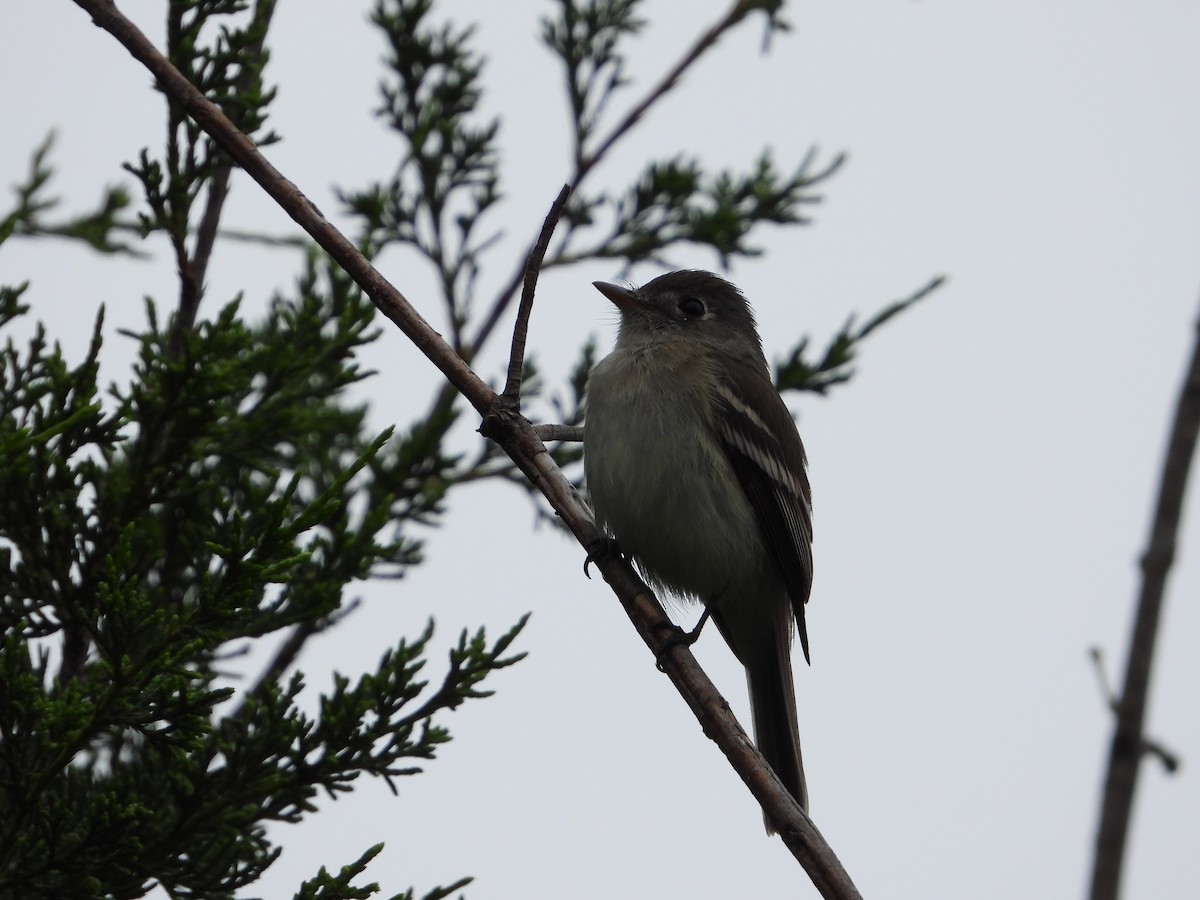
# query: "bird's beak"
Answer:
x=622 y=298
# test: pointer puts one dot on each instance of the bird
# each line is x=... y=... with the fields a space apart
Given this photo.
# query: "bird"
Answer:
x=694 y=466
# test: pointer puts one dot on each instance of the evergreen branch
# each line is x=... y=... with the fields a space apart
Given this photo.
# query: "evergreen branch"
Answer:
x=325 y=886
x=244 y=152
x=675 y=202
x=96 y=228
x=836 y=364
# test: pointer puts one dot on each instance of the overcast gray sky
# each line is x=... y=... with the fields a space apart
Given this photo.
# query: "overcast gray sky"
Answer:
x=982 y=488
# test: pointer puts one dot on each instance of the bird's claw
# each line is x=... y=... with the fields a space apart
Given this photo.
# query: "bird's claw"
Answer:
x=679 y=637
x=598 y=549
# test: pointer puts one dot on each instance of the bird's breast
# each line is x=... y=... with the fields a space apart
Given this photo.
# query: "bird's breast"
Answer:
x=659 y=479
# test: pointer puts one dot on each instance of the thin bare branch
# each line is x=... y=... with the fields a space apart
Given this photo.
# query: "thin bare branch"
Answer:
x=1128 y=742
x=533 y=265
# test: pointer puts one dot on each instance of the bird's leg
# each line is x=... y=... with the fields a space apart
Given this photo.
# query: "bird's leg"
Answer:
x=678 y=637
x=694 y=634
x=599 y=549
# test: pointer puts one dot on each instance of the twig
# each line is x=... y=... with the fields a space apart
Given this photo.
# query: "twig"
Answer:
x=1128 y=742
x=533 y=265
x=1168 y=758
x=559 y=432
x=1110 y=697
x=516 y=435
x=1148 y=746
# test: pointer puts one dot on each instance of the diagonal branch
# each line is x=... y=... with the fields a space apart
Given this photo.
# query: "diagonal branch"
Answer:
x=516 y=435
x=1128 y=742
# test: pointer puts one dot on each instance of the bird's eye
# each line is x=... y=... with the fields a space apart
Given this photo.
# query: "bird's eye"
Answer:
x=691 y=307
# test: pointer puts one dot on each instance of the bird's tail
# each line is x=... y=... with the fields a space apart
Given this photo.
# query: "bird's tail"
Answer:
x=773 y=706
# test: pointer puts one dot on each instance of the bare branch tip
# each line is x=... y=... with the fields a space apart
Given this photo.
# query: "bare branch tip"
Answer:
x=533 y=266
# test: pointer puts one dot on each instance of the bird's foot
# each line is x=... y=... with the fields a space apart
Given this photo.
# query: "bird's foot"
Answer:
x=599 y=549
x=677 y=637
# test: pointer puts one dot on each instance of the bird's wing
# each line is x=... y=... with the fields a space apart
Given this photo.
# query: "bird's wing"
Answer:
x=760 y=438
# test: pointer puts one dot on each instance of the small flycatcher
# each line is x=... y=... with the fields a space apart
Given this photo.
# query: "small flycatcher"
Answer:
x=694 y=465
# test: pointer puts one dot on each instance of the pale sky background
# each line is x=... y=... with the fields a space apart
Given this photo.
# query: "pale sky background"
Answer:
x=982 y=488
